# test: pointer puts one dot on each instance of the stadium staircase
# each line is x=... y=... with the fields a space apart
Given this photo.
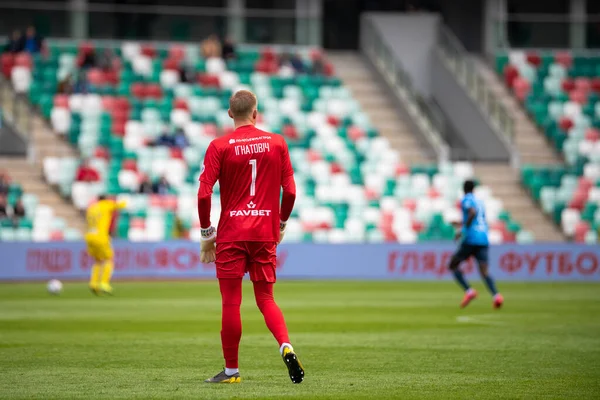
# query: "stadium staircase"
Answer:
x=530 y=141
x=28 y=170
x=533 y=149
x=506 y=185
x=378 y=104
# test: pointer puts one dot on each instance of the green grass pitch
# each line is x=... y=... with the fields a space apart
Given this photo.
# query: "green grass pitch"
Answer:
x=373 y=340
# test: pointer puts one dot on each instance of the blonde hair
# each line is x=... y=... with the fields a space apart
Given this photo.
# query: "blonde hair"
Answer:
x=242 y=103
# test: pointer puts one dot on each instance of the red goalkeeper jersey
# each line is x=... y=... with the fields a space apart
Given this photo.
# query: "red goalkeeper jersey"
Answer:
x=251 y=166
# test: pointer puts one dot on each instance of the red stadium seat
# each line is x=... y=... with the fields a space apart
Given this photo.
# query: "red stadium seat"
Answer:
x=139 y=223
x=355 y=133
x=333 y=120
x=568 y=85
x=101 y=152
x=510 y=73
x=410 y=204
x=313 y=156
x=211 y=130
x=417 y=226
x=578 y=200
x=96 y=76
x=289 y=131
x=154 y=91
x=565 y=124
x=268 y=54
x=564 y=58
x=227 y=130
x=7 y=61
x=592 y=134
x=61 y=100
x=595 y=84
x=433 y=193
x=24 y=60
x=57 y=236
x=118 y=128
x=138 y=90
x=208 y=80
x=329 y=70
x=86 y=48
x=180 y=104
x=176 y=153
x=336 y=168
x=579 y=96
x=521 y=87
x=148 y=50
x=534 y=59
x=129 y=165
x=171 y=63
x=581 y=229
x=177 y=52
x=122 y=103
x=402 y=169
x=583 y=84
x=108 y=103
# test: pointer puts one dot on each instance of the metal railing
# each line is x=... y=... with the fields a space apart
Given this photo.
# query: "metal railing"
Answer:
x=16 y=110
x=466 y=72
x=373 y=45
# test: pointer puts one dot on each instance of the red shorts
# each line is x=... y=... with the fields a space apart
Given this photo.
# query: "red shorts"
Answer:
x=259 y=259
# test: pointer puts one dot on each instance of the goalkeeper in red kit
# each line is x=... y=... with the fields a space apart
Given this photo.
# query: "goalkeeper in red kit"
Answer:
x=252 y=166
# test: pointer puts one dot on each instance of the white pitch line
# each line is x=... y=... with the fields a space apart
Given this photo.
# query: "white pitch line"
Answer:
x=478 y=320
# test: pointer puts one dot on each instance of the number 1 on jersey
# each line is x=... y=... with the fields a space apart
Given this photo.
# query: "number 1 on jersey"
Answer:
x=253 y=184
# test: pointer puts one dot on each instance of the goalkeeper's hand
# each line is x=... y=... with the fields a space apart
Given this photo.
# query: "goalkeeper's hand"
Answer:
x=282 y=226
x=207 y=245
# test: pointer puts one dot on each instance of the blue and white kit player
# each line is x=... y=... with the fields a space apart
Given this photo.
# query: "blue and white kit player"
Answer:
x=474 y=243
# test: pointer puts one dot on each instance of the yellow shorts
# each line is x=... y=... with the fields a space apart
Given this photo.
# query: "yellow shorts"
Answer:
x=98 y=246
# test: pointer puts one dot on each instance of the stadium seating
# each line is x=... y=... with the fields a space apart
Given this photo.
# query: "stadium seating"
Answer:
x=39 y=223
x=352 y=187
x=561 y=92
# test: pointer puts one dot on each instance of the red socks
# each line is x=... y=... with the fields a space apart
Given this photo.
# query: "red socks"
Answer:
x=231 y=321
x=263 y=292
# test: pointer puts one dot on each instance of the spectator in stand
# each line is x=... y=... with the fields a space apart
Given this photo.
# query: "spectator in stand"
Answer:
x=18 y=212
x=162 y=186
x=318 y=66
x=14 y=43
x=86 y=173
x=146 y=185
x=211 y=47
x=65 y=86
x=82 y=85
x=180 y=140
x=4 y=183
x=106 y=60
x=228 y=50
x=33 y=42
x=89 y=59
x=165 y=139
x=3 y=207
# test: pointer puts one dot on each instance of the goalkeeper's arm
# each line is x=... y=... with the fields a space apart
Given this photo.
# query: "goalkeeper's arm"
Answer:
x=287 y=203
x=209 y=234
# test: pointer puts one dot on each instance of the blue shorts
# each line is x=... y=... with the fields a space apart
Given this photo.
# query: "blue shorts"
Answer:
x=466 y=251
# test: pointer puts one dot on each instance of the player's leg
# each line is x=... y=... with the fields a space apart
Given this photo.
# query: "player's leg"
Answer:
x=93 y=251
x=482 y=261
x=462 y=254
x=262 y=273
x=107 y=268
x=231 y=264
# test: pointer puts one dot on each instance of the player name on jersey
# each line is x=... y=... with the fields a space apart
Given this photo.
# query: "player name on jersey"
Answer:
x=252 y=148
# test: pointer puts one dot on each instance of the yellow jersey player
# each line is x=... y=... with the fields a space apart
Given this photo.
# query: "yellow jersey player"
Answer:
x=99 y=216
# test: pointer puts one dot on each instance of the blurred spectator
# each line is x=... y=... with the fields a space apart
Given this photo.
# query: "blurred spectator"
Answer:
x=19 y=209
x=186 y=75
x=161 y=187
x=14 y=43
x=86 y=173
x=228 y=50
x=4 y=183
x=65 y=86
x=165 y=139
x=211 y=47
x=89 y=59
x=180 y=140
x=82 y=85
x=32 y=42
x=318 y=66
x=106 y=59
x=145 y=185
x=3 y=207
